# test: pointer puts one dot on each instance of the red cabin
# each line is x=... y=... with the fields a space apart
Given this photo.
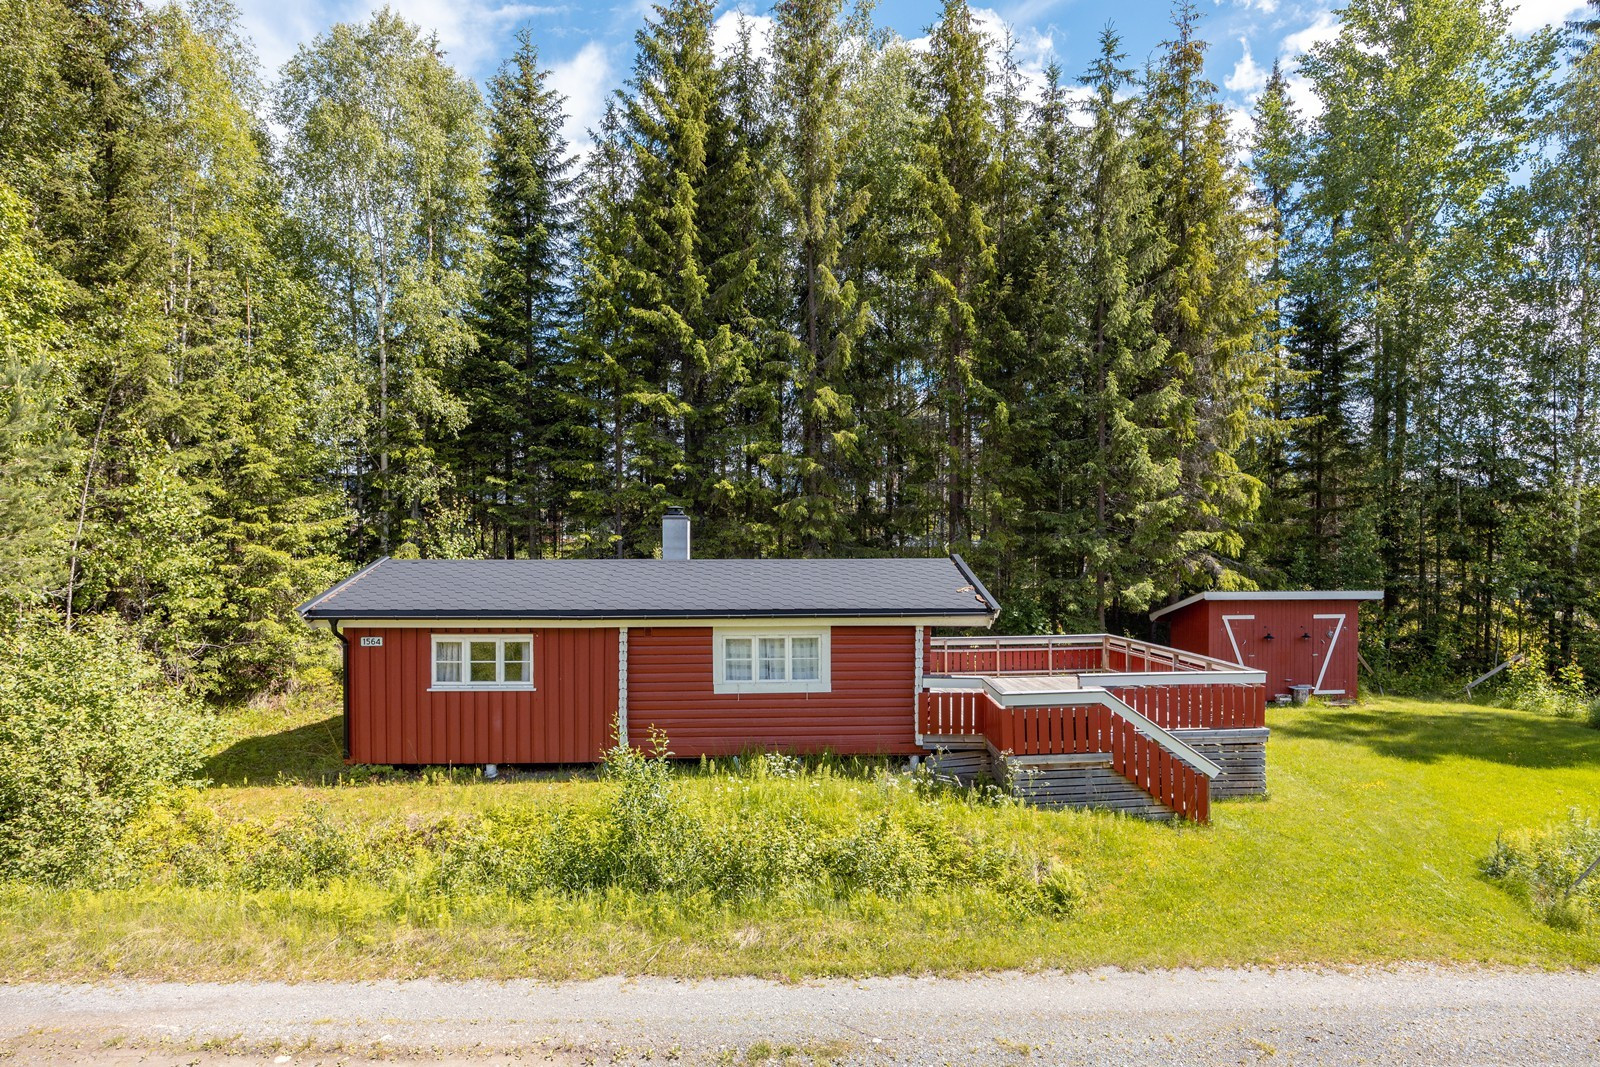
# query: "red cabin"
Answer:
x=539 y=661
x=1297 y=638
x=547 y=661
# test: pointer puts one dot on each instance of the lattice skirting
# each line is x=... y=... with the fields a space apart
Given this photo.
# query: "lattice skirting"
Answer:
x=1242 y=755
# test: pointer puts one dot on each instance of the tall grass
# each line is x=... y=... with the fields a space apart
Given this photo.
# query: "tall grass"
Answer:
x=1553 y=868
x=752 y=836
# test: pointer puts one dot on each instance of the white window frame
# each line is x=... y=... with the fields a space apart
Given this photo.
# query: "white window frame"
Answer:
x=720 y=635
x=500 y=642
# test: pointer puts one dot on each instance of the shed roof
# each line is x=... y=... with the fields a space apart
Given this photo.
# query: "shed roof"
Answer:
x=658 y=589
x=1306 y=594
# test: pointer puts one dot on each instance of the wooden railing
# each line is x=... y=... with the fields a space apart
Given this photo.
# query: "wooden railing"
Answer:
x=1177 y=690
x=1154 y=769
x=1153 y=761
x=1197 y=706
x=951 y=713
x=1062 y=654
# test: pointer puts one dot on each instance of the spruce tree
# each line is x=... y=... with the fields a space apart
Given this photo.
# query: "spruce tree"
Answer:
x=1209 y=303
x=1126 y=455
x=819 y=205
x=956 y=180
x=520 y=443
x=612 y=495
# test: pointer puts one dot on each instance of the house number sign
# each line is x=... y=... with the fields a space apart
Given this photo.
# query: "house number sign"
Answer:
x=372 y=642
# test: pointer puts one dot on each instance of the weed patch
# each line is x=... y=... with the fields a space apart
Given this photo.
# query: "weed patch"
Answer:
x=1556 y=868
x=750 y=838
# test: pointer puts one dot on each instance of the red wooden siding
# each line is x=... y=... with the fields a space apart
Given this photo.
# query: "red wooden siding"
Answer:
x=566 y=719
x=869 y=710
x=1299 y=642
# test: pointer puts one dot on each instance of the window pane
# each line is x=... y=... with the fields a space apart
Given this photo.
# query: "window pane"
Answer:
x=447 y=661
x=483 y=661
x=772 y=655
x=517 y=657
x=805 y=663
x=736 y=659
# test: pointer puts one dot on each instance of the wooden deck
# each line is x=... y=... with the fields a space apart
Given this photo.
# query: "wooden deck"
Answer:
x=1078 y=708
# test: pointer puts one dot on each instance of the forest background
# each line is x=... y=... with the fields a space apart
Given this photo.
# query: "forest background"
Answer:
x=834 y=292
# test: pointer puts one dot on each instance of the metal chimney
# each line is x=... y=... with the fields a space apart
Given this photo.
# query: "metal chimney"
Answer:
x=674 y=534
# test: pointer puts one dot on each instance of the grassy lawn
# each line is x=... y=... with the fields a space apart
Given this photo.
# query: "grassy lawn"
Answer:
x=1367 y=850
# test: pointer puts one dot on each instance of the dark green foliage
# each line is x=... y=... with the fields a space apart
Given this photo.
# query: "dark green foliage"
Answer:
x=519 y=457
x=842 y=297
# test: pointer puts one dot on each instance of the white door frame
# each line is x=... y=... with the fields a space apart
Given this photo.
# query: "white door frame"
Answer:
x=1227 y=628
x=1327 y=657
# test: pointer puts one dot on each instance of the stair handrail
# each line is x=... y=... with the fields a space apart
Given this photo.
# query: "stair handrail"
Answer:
x=1167 y=740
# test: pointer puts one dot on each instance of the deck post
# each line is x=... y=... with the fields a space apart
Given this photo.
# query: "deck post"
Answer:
x=622 y=686
x=916 y=691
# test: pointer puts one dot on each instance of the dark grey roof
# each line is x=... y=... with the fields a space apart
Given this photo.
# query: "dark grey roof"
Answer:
x=653 y=588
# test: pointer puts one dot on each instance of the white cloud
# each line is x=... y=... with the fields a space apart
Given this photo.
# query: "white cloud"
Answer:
x=725 y=32
x=585 y=80
x=1032 y=51
x=1247 y=76
x=1266 y=7
x=474 y=34
x=1303 y=96
x=1325 y=27
x=1531 y=15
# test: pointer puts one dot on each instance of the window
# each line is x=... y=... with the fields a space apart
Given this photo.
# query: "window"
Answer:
x=489 y=661
x=771 y=661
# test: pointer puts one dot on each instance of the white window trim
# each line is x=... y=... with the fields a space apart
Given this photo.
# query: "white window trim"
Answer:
x=720 y=683
x=500 y=640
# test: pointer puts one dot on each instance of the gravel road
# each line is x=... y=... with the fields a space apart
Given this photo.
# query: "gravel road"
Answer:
x=1410 y=1015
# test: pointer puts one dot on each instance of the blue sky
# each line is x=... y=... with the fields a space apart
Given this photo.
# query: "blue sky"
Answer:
x=590 y=46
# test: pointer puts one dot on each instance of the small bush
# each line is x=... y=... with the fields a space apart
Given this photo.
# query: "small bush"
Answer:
x=1531 y=688
x=1544 y=866
x=90 y=732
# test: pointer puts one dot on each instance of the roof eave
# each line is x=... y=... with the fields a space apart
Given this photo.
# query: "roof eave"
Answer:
x=1275 y=594
x=977 y=584
x=308 y=610
x=315 y=614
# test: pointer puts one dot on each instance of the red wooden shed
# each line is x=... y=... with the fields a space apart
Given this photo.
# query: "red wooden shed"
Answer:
x=1298 y=638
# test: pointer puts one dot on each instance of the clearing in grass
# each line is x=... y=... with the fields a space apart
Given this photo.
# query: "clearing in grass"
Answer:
x=1369 y=848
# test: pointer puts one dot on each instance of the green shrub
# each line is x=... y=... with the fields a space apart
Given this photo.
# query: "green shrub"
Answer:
x=1530 y=687
x=1544 y=866
x=89 y=732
